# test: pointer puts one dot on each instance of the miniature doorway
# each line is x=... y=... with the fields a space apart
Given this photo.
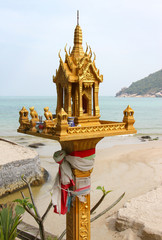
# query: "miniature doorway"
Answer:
x=85 y=101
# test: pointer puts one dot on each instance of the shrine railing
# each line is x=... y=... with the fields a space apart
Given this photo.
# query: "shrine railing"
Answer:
x=98 y=128
x=61 y=128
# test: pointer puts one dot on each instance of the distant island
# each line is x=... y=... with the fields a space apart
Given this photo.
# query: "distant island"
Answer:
x=150 y=86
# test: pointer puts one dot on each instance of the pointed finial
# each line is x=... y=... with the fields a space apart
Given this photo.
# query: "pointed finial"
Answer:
x=77 y=17
x=77 y=51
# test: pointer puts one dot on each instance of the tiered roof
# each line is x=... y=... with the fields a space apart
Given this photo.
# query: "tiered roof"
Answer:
x=78 y=63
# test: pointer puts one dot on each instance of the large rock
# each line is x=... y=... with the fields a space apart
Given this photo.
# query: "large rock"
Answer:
x=15 y=161
x=143 y=215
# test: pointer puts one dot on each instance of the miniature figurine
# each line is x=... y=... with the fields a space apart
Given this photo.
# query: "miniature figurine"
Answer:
x=34 y=119
x=34 y=114
x=48 y=114
x=49 y=123
x=23 y=119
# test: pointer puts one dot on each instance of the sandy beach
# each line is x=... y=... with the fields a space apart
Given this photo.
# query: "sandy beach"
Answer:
x=11 y=153
x=129 y=166
x=133 y=169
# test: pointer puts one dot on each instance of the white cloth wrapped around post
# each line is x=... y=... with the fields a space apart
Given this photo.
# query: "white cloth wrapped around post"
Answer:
x=61 y=195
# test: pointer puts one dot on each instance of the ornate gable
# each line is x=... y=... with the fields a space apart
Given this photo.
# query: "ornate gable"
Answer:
x=61 y=77
x=90 y=74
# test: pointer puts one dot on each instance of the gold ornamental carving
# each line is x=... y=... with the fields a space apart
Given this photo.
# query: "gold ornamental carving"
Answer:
x=84 y=219
x=88 y=76
x=100 y=128
x=87 y=85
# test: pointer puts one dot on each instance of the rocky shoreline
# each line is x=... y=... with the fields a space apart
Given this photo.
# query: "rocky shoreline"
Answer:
x=15 y=161
x=152 y=95
x=150 y=86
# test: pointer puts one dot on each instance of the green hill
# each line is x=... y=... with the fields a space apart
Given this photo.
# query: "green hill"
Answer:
x=150 y=86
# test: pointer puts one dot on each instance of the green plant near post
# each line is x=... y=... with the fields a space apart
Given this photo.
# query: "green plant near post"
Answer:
x=104 y=193
x=9 y=221
x=25 y=205
x=30 y=207
x=49 y=238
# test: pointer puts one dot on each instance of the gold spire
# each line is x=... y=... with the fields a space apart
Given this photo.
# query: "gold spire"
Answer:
x=77 y=17
x=77 y=51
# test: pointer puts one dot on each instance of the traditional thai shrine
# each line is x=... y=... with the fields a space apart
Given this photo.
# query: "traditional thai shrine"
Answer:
x=77 y=82
x=77 y=126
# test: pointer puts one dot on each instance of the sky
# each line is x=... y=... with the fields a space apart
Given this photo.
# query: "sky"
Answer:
x=125 y=35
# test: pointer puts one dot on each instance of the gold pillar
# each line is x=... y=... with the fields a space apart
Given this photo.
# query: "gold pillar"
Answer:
x=96 y=108
x=75 y=102
x=69 y=99
x=94 y=100
x=90 y=102
x=58 y=102
x=78 y=219
x=80 y=100
x=66 y=99
x=59 y=98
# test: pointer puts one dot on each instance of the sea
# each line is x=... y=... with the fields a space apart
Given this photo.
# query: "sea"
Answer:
x=148 y=112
